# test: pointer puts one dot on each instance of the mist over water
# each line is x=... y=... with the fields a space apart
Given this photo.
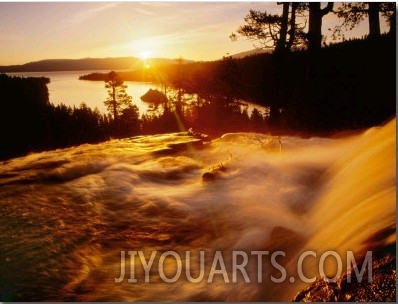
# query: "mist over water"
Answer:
x=67 y=214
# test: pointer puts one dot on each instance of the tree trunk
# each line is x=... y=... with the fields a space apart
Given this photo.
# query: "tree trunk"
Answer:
x=314 y=82
x=315 y=24
x=278 y=61
x=114 y=103
x=393 y=24
x=314 y=27
x=374 y=21
x=281 y=43
x=292 y=30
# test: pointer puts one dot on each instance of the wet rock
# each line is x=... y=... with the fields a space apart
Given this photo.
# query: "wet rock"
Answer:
x=382 y=288
x=209 y=176
x=214 y=173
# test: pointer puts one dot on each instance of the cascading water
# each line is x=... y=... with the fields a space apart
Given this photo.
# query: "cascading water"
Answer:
x=66 y=215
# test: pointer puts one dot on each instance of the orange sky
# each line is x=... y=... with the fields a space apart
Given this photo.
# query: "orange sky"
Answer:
x=32 y=31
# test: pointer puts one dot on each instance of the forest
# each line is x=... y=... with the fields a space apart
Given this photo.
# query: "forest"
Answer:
x=351 y=86
x=310 y=89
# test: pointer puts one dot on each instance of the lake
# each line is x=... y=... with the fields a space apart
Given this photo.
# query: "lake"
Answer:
x=65 y=87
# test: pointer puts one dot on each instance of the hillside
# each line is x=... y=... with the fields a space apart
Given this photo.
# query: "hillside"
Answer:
x=250 y=53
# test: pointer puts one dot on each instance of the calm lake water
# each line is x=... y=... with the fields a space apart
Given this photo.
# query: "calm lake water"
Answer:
x=65 y=87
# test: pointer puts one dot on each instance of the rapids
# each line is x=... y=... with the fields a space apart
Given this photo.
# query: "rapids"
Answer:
x=67 y=214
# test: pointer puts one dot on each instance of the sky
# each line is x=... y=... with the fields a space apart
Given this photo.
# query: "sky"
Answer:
x=32 y=31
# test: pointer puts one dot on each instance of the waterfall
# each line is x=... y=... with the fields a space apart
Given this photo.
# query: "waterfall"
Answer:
x=68 y=216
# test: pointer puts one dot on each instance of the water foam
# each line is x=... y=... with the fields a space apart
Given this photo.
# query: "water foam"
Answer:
x=67 y=214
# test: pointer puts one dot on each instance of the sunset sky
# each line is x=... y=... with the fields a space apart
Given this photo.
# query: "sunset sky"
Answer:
x=32 y=31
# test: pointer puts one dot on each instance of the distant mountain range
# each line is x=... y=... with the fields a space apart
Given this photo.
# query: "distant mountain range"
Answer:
x=95 y=64
x=119 y=63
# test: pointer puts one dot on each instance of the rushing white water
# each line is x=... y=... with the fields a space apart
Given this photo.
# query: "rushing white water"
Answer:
x=66 y=215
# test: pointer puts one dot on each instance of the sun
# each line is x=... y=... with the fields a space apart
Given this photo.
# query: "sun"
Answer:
x=145 y=55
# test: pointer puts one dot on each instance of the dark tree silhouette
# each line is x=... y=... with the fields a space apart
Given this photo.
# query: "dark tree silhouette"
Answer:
x=129 y=122
x=389 y=12
x=353 y=13
x=282 y=34
x=374 y=20
x=227 y=82
x=155 y=98
x=278 y=32
x=29 y=122
x=316 y=14
x=117 y=99
x=178 y=85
